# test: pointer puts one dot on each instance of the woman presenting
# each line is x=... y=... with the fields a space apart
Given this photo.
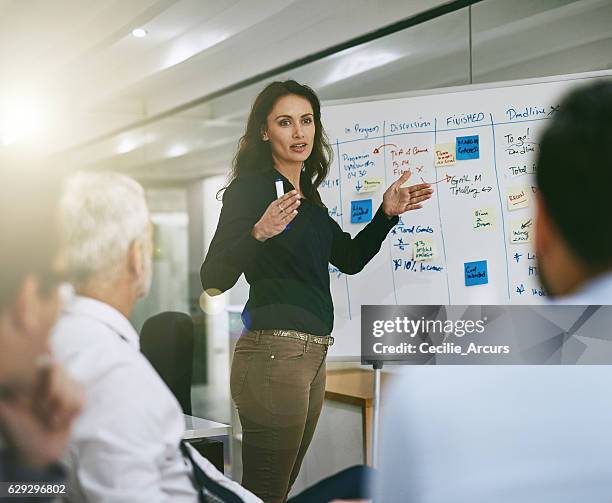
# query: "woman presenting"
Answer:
x=284 y=245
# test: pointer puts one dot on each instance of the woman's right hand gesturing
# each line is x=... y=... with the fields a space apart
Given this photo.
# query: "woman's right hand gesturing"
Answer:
x=276 y=217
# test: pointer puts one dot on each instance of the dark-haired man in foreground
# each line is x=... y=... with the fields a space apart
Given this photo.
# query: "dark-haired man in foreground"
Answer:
x=534 y=434
x=573 y=235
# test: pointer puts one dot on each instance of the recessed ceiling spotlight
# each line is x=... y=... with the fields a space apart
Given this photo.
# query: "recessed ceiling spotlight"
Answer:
x=177 y=150
x=139 y=32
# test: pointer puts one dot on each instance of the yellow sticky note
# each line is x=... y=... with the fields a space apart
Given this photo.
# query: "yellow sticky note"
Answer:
x=517 y=198
x=520 y=231
x=368 y=185
x=423 y=249
x=445 y=154
x=484 y=219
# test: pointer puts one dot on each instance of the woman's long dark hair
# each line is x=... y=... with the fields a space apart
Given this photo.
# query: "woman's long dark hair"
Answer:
x=255 y=155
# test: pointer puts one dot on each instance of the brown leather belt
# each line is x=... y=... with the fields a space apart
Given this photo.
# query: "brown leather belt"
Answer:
x=325 y=340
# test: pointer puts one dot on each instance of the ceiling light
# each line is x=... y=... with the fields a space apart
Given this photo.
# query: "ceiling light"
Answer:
x=126 y=145
x=177 y=150
x=351 y=65
x=139 y=32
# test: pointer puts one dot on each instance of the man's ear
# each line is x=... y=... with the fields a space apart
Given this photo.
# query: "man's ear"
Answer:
x=135 y=257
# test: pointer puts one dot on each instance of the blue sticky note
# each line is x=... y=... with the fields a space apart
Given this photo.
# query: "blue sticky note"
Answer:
x=361 y=211
x=468 y=147
x=476 y=273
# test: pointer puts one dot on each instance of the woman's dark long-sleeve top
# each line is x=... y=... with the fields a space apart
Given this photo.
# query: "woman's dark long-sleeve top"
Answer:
x=288 y=274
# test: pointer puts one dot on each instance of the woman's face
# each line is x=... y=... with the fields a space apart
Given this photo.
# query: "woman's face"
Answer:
x=290 y=129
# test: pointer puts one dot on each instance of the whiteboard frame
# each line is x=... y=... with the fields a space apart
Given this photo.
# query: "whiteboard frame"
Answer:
x=451 y=90
x=470 y=87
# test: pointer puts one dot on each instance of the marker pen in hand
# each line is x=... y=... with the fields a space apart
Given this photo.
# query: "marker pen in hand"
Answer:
x=280 y=192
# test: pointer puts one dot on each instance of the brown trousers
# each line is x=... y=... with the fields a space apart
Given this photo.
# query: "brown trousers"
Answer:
x=278 y=385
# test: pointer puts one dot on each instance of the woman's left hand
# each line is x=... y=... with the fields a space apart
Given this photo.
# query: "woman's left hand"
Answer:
x=398 y=199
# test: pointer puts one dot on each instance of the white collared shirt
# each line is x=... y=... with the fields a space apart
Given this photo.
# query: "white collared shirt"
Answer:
x=125 y=445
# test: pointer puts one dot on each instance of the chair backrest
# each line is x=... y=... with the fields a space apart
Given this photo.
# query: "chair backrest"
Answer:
x=166 y=339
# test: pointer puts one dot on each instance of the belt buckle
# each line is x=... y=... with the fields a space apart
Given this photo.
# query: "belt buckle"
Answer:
x=325 y=340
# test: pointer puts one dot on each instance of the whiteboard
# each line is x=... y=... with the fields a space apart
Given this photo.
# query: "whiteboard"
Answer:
x=475 y=235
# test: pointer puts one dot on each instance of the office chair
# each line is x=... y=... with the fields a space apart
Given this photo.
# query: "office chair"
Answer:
x=166 y=340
